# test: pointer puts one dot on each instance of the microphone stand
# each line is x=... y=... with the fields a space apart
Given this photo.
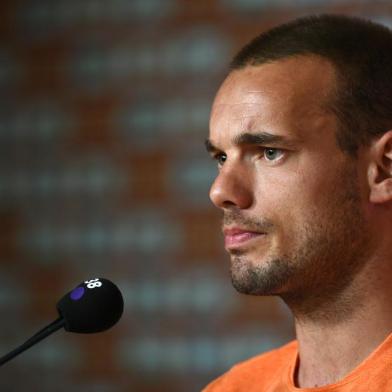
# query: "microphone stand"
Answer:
x=42 y=334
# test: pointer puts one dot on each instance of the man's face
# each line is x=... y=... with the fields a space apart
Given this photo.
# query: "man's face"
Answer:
x=292 y=200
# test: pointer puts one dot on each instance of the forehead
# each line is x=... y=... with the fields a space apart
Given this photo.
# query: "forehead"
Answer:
x=289 y=93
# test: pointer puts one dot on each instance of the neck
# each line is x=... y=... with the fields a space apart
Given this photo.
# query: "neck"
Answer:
x=335 y=336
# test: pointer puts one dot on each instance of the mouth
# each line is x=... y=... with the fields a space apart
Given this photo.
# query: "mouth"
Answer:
x=238 y=237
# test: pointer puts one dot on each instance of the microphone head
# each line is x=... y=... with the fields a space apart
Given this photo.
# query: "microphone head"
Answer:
x=93 y=306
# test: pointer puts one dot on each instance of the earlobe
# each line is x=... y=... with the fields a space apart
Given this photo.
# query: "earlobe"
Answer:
x=380 y=170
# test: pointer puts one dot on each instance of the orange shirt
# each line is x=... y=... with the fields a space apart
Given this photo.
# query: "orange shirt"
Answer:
x=274 y=372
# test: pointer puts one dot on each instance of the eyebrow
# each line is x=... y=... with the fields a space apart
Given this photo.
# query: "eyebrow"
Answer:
x=252 y=139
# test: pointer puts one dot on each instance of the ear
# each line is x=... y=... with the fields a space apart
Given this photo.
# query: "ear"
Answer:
x=380 y=170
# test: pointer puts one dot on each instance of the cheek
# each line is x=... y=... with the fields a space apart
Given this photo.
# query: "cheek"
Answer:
x=280 y=199
x=278 y=189
x=290 y=201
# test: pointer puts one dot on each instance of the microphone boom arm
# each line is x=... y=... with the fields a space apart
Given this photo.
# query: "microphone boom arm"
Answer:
x=42 y=334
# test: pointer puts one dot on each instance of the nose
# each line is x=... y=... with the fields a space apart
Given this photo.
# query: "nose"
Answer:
x=232 y=188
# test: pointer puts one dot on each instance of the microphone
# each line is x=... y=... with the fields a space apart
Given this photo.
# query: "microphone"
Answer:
x=95 y=305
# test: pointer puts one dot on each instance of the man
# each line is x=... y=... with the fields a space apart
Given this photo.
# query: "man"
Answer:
x=301 y=130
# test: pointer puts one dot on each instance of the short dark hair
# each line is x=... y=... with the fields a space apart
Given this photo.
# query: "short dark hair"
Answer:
x=361 y=52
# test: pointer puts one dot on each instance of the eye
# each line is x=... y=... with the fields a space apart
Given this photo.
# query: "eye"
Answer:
x=220 y=158
x=272 y=154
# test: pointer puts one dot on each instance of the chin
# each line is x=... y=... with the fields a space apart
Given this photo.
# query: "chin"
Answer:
x=270 y=277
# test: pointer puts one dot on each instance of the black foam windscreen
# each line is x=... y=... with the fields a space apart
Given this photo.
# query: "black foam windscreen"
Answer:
x=93 y=306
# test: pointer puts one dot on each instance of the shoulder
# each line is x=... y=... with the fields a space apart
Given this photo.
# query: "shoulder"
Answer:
x=255 y=370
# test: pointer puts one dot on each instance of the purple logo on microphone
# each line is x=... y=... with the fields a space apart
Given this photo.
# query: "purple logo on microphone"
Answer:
x=77 y=293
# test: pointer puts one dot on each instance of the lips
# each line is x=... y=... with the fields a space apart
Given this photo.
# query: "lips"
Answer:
x=237 y=237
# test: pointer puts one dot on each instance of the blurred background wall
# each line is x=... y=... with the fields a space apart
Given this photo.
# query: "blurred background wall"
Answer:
x=104 y=110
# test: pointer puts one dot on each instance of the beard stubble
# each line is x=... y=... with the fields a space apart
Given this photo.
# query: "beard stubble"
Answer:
x=331 y=248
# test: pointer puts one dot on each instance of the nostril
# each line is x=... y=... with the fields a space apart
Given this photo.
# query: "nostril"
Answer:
x=228 y=204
